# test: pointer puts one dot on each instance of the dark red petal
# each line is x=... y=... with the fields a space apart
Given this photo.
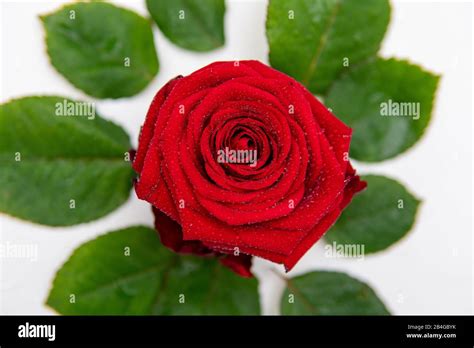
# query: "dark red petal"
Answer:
x=239 y=264
x=171 y=236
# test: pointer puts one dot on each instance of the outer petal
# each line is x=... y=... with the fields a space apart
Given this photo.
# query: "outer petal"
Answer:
x=353 y=185
x=239 y=264
x=172 y=237
x=148 y=128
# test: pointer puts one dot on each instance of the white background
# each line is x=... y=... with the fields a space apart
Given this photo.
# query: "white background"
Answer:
x=428 y=272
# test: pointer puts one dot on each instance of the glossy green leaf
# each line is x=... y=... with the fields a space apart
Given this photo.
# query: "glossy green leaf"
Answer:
x=60 y=170
x=377 y=217
x=104 y=50
x=196 y=25
x=315 y=40
x=387 y=102
x=330 y=293
x=129 y=272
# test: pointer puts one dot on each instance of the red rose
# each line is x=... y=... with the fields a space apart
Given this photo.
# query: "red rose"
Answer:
x=239 y=159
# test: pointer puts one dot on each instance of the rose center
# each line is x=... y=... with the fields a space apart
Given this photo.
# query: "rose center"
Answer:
x=243 y=142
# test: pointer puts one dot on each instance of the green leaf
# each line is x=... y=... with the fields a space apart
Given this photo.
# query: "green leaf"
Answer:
x=315 y=40
x=106 y=51
x=60 y=170
x=330 y=293
x=377 y=217
x=368 y=93
x=129 y=272
x=196 y=25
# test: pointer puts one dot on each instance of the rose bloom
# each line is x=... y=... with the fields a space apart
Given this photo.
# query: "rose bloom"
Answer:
x=239 y=159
